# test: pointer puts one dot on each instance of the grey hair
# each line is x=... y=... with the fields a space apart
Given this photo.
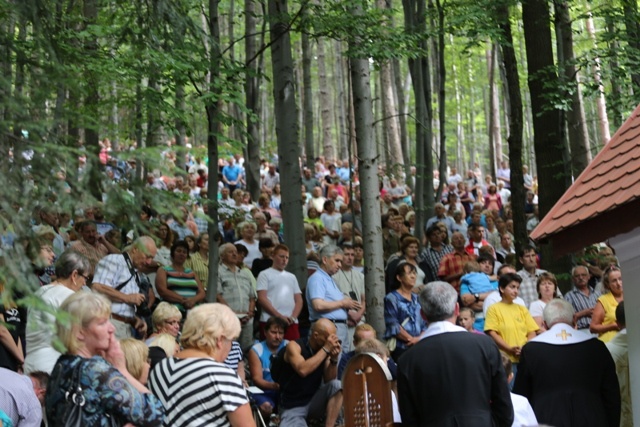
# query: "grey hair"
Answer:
x=573 y=270
x=69 y=261
x=329 y=251
x=558 y=311
x=226 y=248
x=438 y=301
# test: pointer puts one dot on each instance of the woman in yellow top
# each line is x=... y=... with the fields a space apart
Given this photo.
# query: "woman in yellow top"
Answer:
x=510 y=324
x=603 y=320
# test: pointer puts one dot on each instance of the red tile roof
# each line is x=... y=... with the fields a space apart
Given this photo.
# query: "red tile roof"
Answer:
x=611 y=181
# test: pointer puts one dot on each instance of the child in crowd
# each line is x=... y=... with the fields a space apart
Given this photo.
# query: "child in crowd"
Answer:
x=523 y=414
x=466 y=319
x=474 y=283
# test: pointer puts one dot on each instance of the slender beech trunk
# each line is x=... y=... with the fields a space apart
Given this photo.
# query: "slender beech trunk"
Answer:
x=212 y=108
x=574 y=115
x=368 y=169
x=341 y=109
x=287 y=135
x=252 y=101
x=495 y=133
x=601 y=104
x=325 y=103
x=415 y=22
x=307 y=99
x=547 y=125
x=515 y=124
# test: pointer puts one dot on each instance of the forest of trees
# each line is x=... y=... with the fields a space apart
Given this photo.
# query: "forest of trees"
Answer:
x=428 y=83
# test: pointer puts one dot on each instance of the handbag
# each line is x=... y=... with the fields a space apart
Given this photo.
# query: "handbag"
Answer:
x=75 y=400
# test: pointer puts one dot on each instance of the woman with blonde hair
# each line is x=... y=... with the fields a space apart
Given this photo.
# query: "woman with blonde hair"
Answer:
x=167 y=343
x=207 y=337
x=136 y=354
x=166 y=319
x=94 y=370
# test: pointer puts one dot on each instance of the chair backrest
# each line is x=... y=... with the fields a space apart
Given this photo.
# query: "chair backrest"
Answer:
x=366 y=389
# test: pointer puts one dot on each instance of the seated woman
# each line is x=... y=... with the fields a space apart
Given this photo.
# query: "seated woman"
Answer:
x=136 y=354
x=402 y=317
x=195 y=384
x=603 y=320
x=94 y=358
x=260 y=362
x=166 y=319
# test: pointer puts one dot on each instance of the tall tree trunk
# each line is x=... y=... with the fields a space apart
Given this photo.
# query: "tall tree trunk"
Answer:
x=402 y=120
x=515 y=124
x=632 y=26
x=341 y=109
x=415 y=23
x=180 y=126
x=617 y=73
x=212 y=108
x=547 y=125
x=575 y=118
x=91 y=103
x=389 y=109
x=252 y=101
x=601 y=105
x=441 y=85
x=287 y=134
x=325 y=104
x=368 y=169
x=495 y=133
x=307 y=99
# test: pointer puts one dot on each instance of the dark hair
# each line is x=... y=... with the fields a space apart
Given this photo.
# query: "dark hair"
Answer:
x=401 y=271
x=486 y=257
x=527 y=248
x=242 y=248
x=179 y=244
x=432 y=229
x=265 y=243
x=507 y=278
x=277 y=321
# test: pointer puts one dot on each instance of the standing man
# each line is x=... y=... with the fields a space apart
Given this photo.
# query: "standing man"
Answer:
x=118 y=277
x=231 y=174
x=529 y=273
x=351 y=283
x=279 y=294
x=451 y=264
x=324 y=298
x=434 y=253
x=235 y=289
x=568 y=376
x=441 y=216
x=451 y=377
x=476 y=239
x=270 y=179
x=582 y=297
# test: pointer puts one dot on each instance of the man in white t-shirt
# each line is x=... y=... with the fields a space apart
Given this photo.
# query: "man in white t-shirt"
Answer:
x=279 y=294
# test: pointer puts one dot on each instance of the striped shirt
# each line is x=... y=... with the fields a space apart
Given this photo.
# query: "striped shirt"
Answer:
x=234 y=357
x=111 y=271
x=580 y=302
x=182 y=283
x=196 y=391
x=200 y=266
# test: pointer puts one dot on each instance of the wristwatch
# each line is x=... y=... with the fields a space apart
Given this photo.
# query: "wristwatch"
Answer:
x=477 y=297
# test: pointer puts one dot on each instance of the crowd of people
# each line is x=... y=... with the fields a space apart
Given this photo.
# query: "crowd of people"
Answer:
x=135 y=340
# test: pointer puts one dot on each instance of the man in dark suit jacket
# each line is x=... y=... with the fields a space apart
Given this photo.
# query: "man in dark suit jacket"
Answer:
x=568 y=376
x=451 y=377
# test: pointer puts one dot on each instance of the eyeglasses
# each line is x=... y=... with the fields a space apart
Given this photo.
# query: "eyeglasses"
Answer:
x=86 y=278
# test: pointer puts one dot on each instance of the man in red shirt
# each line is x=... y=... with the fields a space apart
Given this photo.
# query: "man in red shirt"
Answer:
x=451 y=264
